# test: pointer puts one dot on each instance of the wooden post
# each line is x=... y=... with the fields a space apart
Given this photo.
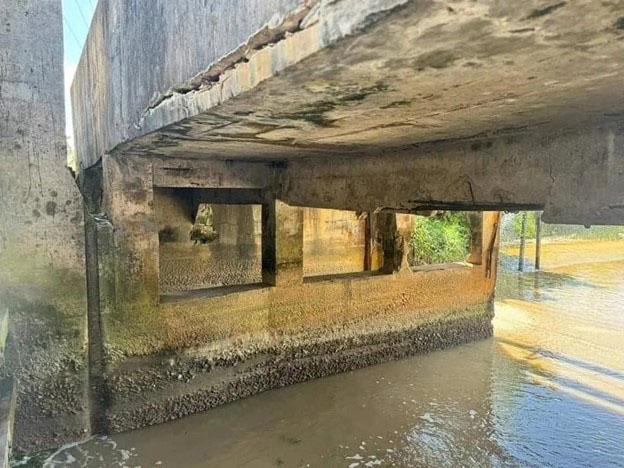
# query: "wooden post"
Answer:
x=538 y=239
x=522 y=241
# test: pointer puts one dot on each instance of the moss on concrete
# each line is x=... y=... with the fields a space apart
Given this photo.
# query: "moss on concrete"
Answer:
x=48 y=354
x=152 y=390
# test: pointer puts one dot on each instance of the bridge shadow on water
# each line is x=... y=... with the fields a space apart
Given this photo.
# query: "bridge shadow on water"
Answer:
x=577 y=378
x=563 y=358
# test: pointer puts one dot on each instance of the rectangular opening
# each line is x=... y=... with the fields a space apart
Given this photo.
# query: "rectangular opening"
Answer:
x=445 y=239
x=333 y=243
x=207 y=240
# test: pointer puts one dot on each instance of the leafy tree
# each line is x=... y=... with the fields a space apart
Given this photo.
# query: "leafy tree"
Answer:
x=440 y=239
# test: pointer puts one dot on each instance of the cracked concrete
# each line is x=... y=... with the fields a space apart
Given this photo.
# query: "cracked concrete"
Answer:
x=448 y=70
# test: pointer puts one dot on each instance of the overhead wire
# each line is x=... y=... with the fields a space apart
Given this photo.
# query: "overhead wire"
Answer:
x=84 y=18
x=71 y=30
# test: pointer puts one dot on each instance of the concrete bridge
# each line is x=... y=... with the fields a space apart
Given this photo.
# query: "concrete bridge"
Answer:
x=266 y=115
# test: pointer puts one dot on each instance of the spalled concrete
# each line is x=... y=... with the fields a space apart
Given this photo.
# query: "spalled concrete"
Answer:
x=376 y=77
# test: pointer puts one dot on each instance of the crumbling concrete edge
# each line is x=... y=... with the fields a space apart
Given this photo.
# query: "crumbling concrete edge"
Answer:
x=276 y=47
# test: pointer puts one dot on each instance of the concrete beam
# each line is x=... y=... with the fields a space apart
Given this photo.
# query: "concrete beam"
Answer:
x=212 y=174
x=575 y=176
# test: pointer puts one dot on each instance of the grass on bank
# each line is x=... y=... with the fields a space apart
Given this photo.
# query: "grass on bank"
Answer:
x=512 y=227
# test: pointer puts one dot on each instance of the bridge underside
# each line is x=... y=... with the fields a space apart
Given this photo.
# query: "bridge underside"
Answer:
x=406 y=105
x=384 y=108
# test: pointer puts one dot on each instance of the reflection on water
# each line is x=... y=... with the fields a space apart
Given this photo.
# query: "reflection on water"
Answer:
x=547 y=390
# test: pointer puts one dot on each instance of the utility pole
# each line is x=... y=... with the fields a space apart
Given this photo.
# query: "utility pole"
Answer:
x=538 y=239
x=522 y=241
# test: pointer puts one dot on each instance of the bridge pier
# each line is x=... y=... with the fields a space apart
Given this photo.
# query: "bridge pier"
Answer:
x=175 y=347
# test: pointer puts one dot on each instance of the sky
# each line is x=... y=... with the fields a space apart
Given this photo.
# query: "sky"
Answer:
x=77 y=16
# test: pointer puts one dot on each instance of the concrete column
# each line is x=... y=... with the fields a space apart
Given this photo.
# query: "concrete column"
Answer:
x=374 y=243
x=282 y=244
x=388 y=242
x=402 y=241
x=475 y=219
x=129 y=205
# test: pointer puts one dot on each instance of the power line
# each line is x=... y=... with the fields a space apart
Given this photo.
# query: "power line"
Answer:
x=71 y=30
x=84 y=18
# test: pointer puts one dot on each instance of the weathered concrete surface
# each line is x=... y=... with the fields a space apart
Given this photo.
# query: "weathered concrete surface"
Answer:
x=334 y=242
x=172 y=355
x=211 y=31
x=7 y=419
x=397 y=72
x=384 y=107
x=42 y=281
x=282 y=243
x=575 y=177
x=371 y=78
x=194 y=354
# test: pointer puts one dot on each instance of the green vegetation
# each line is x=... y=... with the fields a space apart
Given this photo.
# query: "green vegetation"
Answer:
x=530 y=225
x=440 y=239
x=512 y=226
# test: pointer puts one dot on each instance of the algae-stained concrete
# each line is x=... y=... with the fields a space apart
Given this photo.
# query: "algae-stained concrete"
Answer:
x=166 y=356
x=191 y=354
x=329 y=80
x=42 y=279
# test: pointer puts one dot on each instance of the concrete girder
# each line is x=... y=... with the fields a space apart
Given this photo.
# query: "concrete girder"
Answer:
x=576 y=177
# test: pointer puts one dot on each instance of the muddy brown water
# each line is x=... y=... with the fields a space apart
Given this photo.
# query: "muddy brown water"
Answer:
x=547 y=390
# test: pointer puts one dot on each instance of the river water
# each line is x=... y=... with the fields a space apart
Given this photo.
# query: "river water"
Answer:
x=547 y=390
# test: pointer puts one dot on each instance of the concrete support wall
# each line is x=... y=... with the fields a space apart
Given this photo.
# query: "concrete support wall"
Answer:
x=42 y=279
x=221 y=348
x=168 y=356
x=238 y=225
x=334 y=242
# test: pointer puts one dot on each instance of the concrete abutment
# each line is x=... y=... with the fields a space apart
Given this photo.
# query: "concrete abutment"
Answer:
x=169 y=355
